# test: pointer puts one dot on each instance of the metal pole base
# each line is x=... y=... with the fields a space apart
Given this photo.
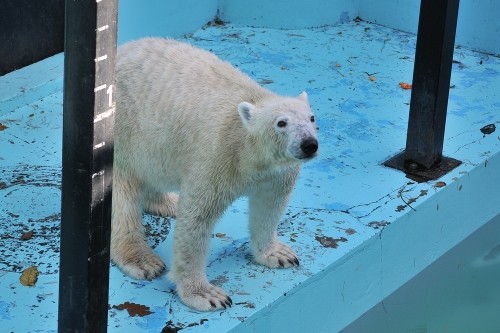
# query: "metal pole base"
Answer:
x=419 y=173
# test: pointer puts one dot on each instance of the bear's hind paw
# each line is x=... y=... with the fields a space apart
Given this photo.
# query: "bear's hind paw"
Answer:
x=204 y=296
x=278 y=256
x=146 y=267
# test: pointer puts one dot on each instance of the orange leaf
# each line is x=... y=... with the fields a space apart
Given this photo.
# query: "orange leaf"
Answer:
x=134 y=309
x=27 y=235
x=29 y=276
x=405 y=85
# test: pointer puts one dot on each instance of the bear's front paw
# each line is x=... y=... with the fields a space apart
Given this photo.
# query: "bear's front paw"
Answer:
x=203 y=296
x=277 y=255
x=140 y=265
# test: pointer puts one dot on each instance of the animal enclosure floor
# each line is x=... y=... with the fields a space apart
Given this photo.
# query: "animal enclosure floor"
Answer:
x=344 y=198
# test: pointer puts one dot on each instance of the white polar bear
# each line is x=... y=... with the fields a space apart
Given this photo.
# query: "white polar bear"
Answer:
x=188 y=122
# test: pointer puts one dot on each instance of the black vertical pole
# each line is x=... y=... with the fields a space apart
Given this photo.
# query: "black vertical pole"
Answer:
x=431 y=82
x=88 y=117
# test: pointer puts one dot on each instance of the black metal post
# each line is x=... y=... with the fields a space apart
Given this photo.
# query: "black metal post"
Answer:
x=88 y=118
x=429 y=99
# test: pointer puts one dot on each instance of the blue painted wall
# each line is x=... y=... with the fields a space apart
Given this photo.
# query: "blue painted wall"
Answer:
x=478 y=23
x=287 y=14
x=478 y=20
x=162 y=18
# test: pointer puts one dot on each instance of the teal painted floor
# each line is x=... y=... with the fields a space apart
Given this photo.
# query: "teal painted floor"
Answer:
x=344 y=202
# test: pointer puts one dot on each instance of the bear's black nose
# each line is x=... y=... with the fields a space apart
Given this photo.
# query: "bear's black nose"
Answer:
x=309 y=146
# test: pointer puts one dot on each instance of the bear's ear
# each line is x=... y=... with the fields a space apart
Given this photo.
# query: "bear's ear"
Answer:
x=246 y=111
x=303 y=97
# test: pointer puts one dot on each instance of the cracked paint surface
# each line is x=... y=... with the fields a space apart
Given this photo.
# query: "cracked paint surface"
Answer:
x=343 y=198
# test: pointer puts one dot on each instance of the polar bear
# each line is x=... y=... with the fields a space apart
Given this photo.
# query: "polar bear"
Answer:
x=190 y=123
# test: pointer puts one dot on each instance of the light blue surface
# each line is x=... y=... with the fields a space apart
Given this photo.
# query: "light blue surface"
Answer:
x=457 y=293
x=288 y=14
x=345 y=194
x=478 y=26
x=162 y=18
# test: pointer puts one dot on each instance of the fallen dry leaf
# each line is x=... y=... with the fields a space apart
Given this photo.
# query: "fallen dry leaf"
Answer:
x=372 y=78
x=2 y=127
x=29 y=276
x=440 y=184
x=220 y=235
x=405 y=85
x=330 y=242
x=350 y=231
x=134 y=309
x=27 y=235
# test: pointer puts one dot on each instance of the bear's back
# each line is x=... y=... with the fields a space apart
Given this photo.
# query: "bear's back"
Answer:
x=177 y=102
x=156 y=70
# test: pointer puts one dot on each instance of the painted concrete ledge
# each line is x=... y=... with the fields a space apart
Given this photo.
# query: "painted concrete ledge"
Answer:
x=343 y=291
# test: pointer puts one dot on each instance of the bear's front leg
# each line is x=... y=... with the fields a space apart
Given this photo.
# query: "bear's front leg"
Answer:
x=193 y=230
x=266 y=205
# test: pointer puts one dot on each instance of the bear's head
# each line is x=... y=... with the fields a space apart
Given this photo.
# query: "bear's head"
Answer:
x=286 y=125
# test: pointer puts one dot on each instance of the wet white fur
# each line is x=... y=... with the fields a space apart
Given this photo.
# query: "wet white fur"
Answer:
x=186 y=122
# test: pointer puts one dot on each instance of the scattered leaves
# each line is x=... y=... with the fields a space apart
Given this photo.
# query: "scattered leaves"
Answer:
x=2 y=127
x=29 y=276
x=372 y=78
x=350 y=231
x=488 y=129
x=400 y=208
x=378 y=224
x=405 y=85
x=174 y=328
x=134 y=309
x=440 y=184
x=330 y=242
x=27 y=235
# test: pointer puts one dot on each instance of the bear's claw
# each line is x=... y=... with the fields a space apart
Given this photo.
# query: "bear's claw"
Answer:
x=204 y=296
x=145 y=267
x=279 y=255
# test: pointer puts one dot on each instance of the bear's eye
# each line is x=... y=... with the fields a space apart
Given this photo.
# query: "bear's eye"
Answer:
x=281 y=123
x=312 y=119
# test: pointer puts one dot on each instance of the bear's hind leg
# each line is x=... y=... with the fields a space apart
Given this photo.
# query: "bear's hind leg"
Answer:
x=129 y=249
x=163 y=204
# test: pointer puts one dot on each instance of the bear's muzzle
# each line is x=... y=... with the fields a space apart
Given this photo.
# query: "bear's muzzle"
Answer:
x=309 y=147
